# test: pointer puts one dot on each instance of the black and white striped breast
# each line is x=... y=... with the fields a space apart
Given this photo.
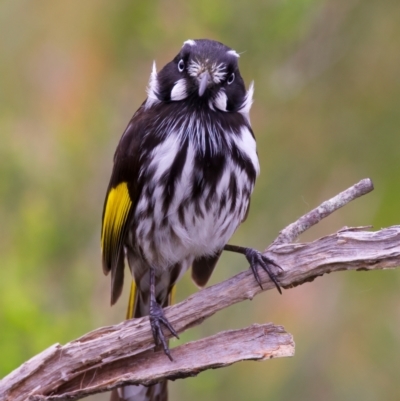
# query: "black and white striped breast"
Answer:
x=198 y=172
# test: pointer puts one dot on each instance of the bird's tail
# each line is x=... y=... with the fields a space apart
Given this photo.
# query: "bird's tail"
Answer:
x=137 y=307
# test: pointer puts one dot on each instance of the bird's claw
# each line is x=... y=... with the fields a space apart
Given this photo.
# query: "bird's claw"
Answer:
x=256 y=258
x=157 y=318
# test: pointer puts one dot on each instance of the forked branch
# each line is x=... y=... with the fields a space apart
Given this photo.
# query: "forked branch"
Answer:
x=110 y=356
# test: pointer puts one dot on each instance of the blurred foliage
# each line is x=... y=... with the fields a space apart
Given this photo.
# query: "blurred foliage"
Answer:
x=326 y=114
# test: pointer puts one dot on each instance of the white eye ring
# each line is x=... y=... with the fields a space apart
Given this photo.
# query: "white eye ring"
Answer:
x=181 y=65
x=231 y=78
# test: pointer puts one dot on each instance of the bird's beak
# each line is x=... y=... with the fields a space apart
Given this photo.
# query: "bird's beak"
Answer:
x=204 y=79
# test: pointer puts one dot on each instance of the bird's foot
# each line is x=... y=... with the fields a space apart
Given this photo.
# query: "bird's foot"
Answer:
x=257 y=259
x=157 y=318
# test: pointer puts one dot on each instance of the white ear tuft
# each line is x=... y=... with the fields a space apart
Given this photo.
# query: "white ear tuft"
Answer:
x=152 y=88
x=221 y=100
x=248 y=101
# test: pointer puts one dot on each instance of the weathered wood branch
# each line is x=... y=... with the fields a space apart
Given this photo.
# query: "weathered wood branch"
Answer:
x=223 y=349
x=98 y=361
x=292 y=231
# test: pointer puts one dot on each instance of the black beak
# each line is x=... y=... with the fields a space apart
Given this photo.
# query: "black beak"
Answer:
x=204 y=79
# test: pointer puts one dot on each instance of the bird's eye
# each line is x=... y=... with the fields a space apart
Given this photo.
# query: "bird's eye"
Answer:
x=231 y=78
x=181 y=65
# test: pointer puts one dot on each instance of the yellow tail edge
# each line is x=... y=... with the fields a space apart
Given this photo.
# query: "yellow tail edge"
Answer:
x=172 y=295
x=132 y=295
x=131 y=303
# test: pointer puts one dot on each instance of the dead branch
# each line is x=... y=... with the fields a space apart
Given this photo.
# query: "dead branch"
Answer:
x=292 y=231
x=223 y=349
x=98 y=361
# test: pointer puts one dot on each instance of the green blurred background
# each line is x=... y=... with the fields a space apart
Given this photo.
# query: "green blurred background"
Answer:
x=326 y=114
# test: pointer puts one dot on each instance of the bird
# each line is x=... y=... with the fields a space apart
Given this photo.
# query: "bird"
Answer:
x=182 y=177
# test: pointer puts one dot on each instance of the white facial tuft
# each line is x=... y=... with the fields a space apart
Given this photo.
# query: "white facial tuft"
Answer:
x=233 y=53
x=248 y=101
x=189 y=42
x=179 y=91
x=152 y=88
x=194 y=68
x=217 y=71
x=221 y=100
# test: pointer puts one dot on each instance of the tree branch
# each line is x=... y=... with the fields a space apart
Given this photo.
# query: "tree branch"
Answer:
x=292 y=231
x=63 y=372
x=223 y=349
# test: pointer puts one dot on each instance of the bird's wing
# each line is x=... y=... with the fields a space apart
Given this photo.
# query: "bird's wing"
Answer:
x=120 y=202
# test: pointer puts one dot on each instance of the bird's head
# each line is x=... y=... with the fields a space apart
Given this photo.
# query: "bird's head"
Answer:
x=205 y=71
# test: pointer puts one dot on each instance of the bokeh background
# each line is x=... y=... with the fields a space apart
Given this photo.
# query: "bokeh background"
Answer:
x=326 y=114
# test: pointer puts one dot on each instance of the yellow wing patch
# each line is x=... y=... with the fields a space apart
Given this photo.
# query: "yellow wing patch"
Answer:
x=115 y=216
